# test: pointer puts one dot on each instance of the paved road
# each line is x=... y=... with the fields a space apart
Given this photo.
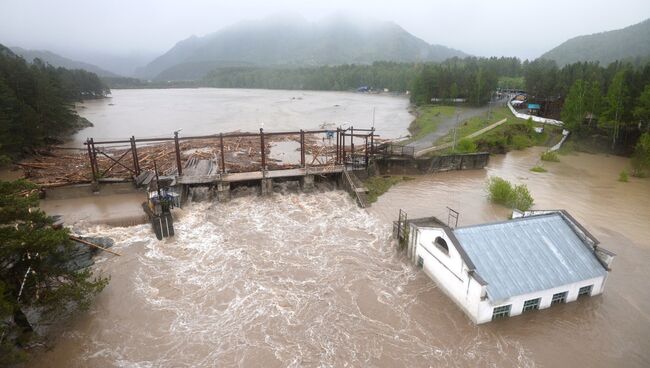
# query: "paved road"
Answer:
x=447 y=124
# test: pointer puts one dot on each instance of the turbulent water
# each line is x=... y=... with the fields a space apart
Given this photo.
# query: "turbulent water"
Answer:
x=198 y=111
x=312 y=280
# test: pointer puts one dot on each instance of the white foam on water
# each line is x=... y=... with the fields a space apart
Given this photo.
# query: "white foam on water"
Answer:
x=291 y=280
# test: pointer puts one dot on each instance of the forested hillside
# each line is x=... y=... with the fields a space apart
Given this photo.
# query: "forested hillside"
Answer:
x=379 y=75
x=36 y=101
x=469 y=78
x=60 y=61
x=606 y=47
x=293 y=42
x=607 y=108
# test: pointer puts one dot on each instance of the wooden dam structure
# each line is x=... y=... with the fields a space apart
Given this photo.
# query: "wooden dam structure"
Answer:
x=221 y=160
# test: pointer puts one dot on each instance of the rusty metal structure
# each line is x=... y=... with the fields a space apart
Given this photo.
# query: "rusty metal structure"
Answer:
x=346 y=152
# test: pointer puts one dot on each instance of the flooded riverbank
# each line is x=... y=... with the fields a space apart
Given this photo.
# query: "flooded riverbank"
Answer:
x=312 y=280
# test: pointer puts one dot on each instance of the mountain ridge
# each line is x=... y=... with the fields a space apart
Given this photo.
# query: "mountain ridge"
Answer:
x=287 y=42
x=604 y=47
x=57 y=60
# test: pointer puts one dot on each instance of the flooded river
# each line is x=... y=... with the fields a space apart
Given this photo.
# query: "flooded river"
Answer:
x=311 y=280
x=159 y=112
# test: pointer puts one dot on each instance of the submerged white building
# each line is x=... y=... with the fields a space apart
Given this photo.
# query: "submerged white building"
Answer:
x=503 y=269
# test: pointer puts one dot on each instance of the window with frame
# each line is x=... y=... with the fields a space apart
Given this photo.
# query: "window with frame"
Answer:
x=441 y=244
x=501 y=312
x=585 y=290
x=420 y=262
x=559 y=298
x=532 y=304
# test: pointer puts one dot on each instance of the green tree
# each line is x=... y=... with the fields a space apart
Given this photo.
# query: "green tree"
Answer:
x=641 y=157
x=34 y=268
x=593 y=100
x=573 y=111
x=36 y=101
x=617 y=94
x=642 y=109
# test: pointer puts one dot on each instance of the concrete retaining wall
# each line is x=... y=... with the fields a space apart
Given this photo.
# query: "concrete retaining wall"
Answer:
x=417 y=166
x=86 y=190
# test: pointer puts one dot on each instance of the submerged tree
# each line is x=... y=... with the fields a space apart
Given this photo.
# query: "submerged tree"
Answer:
x=641 y=157
x=35 y=269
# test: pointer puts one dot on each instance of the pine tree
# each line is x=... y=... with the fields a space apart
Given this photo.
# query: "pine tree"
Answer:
x=34 y=268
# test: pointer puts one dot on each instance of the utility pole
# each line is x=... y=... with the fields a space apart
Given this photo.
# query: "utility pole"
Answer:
x=453 y=146
x=490 y=107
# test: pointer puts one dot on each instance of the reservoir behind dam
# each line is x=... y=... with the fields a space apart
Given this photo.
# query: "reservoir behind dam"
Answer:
x=199 y=111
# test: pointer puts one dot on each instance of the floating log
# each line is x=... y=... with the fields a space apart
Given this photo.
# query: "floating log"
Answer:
x=93 y=245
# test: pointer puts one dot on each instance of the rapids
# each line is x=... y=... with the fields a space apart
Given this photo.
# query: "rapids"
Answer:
x=311 y=280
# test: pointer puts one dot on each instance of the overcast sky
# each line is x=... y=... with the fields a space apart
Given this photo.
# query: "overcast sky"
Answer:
x=520 y=28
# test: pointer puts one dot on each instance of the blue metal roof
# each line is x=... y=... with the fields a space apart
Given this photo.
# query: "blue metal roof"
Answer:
x=528 y=254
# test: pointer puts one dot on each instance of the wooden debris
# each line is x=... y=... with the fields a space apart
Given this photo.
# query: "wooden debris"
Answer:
x=67 y=166
x=79 y=240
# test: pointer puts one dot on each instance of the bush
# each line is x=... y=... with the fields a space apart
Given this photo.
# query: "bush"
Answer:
x=623 y=177
x=538 y=169
x=521 y=198
x=520 y=142
x=4 y=161
x=550 y=156
x=466 y=146
x=502 y=192
x=567 y=148
x=499 y=190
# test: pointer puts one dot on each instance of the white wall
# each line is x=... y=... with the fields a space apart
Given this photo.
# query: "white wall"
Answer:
x=450 y=272
x=517 y=302
x=448 y=269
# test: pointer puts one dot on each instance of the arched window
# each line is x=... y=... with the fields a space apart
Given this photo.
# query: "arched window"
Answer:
x=442 y=244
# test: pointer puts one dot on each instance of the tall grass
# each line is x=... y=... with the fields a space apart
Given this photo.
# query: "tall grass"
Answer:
x=550 y=156
x=378 y=185
x=466 y=145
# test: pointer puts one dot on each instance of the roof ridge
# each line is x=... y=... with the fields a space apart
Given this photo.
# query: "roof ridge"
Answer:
x=518 y=219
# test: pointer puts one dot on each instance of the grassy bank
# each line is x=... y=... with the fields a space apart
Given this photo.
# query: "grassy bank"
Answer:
x=378 y=185
x=477 y=123
x=514 y=134
x=427 y=119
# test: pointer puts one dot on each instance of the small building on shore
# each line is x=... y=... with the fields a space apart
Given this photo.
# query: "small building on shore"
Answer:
x=503 y=269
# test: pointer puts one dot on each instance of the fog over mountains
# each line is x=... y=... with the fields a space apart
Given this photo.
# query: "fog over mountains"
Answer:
x=289 y=41
x=605 y=47
x=292 y=41
x=60 y=61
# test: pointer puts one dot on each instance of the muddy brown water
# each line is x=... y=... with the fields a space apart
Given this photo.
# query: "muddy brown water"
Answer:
x=311 y=280
x=199 y=111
